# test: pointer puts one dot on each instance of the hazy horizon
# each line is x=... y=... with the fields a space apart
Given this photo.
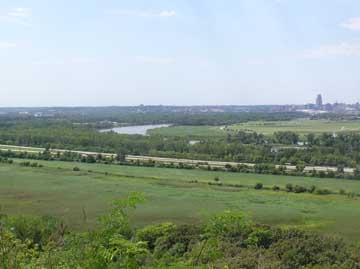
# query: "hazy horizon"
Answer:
x=165 y=105
x=183 y=53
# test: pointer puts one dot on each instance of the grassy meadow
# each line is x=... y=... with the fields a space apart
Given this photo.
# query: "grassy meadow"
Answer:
x=300 y=126
x=57 y=190
x=189 y=131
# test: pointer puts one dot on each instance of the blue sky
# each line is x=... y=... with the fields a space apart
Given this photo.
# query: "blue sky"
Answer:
x=178 y=52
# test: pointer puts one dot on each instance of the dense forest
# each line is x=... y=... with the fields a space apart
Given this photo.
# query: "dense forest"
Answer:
x=227 y=240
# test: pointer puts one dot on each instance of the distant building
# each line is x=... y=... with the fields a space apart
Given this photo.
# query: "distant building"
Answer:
x=319 y=101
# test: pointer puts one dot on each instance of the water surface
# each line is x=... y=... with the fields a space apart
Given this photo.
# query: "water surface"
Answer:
x=137 y=129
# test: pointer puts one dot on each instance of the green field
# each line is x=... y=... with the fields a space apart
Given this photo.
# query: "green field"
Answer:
x=189 y=131
x=301 y=126
x=57 y=190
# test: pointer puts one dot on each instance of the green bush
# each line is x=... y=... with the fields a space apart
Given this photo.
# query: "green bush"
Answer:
x=289 y=187
x=299 y=189
x=226 y=240
x=276 y=188
x=151 y=233
x=323 y=191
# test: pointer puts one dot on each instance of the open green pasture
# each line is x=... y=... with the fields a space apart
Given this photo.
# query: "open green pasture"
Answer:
x=190 y=131
x=300 y=126
x=57 y=190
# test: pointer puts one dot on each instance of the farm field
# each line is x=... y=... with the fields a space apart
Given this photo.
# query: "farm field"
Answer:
x=57 y=190
x=300 y=126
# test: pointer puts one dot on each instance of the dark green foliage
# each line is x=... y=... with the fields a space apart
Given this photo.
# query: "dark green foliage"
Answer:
x=228 y=240
x=258 y=186
x=276 y=188
x=38 y=230
x=286 y=137
x=299 y=189
x=289 y=187
x=312 y=189
x=323 y=191
x=152 y=233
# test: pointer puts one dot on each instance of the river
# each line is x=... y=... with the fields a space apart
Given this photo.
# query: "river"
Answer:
x=137 y=129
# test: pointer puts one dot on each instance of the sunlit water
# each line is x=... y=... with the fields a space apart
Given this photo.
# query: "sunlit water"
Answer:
x=138 y=129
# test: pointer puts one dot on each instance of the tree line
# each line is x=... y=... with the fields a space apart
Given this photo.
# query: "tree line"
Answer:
x=342 y=150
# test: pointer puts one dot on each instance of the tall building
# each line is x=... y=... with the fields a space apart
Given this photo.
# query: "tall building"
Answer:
x=319 y=101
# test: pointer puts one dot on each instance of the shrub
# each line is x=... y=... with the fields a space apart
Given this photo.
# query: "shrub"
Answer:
x=299 y=189
x=276 y=188
x=342 y=192
x=258 y=186
x=37 y=229
x=228 y=166
x=76 y=169
x=289 y=187
x=323 y=191
x=312 y=189
x=151 y=233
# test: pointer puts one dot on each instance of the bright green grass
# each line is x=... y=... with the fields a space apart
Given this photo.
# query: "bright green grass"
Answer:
x=170 y=174
x=64 y=193
x=189 y=131
x=301 y=127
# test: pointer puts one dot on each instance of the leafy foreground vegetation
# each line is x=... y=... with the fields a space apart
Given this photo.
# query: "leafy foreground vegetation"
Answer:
x=228 y=240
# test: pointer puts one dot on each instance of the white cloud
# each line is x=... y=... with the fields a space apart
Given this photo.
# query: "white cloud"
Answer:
x=66 y=61
x=140 y=13
x=18 y=15
x=154 y=60
x=167 y=13
x=352 y=24
x=335 y=50
x=7 y=45
x=20 y=12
